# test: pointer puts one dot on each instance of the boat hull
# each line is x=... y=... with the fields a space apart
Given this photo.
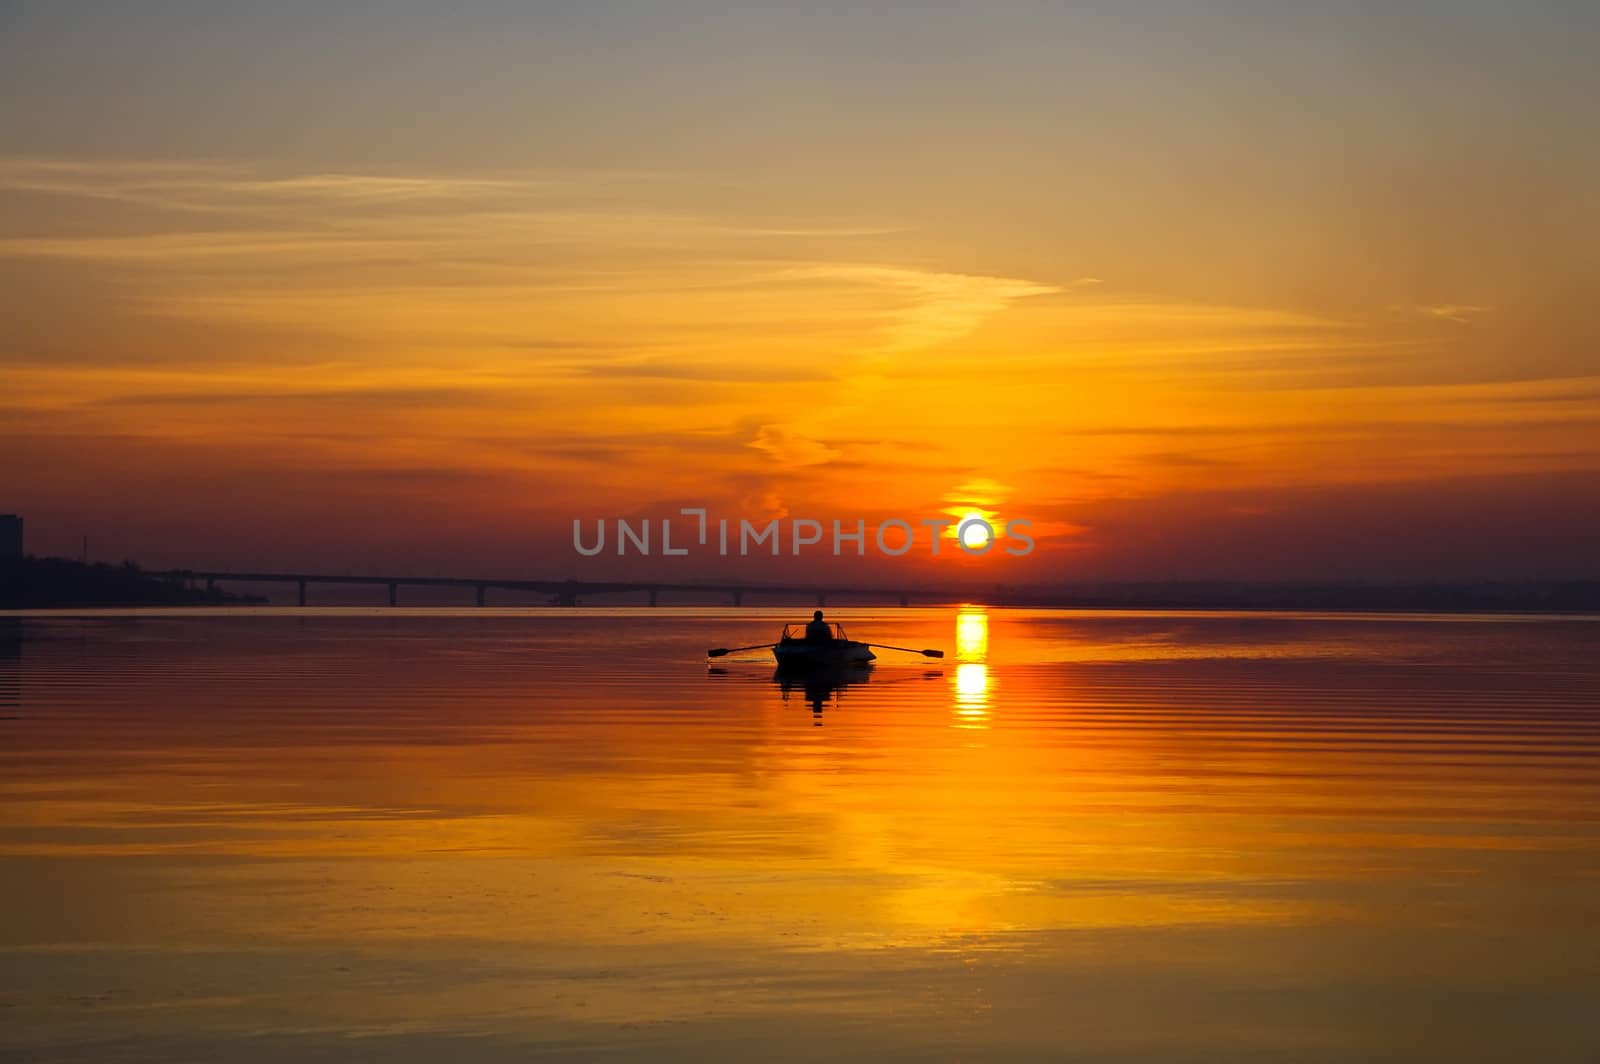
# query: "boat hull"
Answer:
x=801 y=654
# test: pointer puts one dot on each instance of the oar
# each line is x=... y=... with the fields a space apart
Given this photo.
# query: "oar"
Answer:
x=908 y=650
x=724 y=651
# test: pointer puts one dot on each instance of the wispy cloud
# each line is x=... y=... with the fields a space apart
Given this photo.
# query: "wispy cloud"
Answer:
x=185 y=249
x=931 y=307
x=979 y=491
x=687 y=370
x=1460 y=313
x=205 y=186
x=788 y=446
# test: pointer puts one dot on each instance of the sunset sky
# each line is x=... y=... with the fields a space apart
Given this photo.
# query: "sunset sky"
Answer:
x=1203 y=291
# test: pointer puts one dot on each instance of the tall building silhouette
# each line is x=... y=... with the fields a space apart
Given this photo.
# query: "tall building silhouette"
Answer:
x=10 y=536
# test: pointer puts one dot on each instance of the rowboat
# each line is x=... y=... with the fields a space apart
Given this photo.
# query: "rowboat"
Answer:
x=804 y=646
x=795 y=650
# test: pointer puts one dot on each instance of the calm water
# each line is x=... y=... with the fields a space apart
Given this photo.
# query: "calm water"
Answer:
x=416 y=835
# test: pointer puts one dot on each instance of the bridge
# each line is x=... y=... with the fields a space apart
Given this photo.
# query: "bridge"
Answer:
x=562 y=592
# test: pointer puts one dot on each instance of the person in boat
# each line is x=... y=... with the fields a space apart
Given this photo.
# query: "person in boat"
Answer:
x=818 y=630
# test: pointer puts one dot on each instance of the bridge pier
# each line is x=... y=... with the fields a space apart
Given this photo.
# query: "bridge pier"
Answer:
x=302 y=592
x=483 y=593
x=738 y=597
x=652 y=596
x=822 y=598
x=394 y=594
x=211 y=586
x=905 y=600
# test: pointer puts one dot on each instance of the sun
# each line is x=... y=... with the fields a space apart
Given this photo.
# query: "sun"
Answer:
x=973 y=536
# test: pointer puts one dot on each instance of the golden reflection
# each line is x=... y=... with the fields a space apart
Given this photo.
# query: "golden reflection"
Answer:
x=651 y=850
x=972 y=695
x=972 y=635
x=972 y=676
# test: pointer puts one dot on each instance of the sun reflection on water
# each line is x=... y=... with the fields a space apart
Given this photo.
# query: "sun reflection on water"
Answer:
x=972 y=675
x=972 y=695
x=972 y=635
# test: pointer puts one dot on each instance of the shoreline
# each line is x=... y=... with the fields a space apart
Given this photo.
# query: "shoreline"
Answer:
x=684 y=609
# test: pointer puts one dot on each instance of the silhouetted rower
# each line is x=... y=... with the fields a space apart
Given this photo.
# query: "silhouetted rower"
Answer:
x=818 y=631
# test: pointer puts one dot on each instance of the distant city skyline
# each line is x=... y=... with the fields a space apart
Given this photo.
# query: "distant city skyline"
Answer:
x=1227 y=291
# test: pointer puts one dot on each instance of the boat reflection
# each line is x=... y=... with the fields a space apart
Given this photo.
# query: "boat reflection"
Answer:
x=820 y=685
